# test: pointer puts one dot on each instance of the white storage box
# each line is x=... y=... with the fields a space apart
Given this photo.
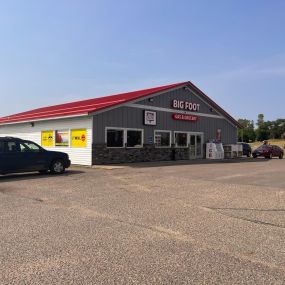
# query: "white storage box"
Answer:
x=214 y=151
x=233 y=151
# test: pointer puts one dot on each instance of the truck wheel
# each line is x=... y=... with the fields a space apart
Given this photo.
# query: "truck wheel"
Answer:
x=57 y=167
x=270 y=156
x=281 y=155
x=249 y=154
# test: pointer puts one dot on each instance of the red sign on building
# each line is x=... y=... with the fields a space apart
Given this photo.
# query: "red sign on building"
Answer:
x=183 y=117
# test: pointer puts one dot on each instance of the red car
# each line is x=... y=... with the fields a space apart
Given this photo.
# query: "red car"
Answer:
x=268 y=151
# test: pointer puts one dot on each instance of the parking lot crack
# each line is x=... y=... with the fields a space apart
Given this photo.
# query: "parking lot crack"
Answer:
x=218 y=210
x=248 y=209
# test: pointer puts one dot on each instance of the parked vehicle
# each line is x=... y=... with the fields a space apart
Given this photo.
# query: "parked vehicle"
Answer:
x=268 y=151
x=246 y=149
x=17 y=155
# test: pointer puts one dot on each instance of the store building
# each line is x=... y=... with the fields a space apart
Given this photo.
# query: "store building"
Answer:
x=162 y=123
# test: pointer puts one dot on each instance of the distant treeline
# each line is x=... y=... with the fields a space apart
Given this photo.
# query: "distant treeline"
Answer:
x=263 y=130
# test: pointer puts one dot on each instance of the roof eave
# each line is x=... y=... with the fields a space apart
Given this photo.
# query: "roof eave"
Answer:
x=219 y=108
x=43 y=119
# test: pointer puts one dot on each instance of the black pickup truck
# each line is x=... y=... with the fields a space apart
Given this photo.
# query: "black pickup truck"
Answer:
x=17 y=155
x=246 y=149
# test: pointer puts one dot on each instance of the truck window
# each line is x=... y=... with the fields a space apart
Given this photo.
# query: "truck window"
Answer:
x=12 y=147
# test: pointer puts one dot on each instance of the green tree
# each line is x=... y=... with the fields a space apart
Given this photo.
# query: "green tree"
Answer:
x=263 y=130
x=277 y=128
x=260 y=120
x=247 y=134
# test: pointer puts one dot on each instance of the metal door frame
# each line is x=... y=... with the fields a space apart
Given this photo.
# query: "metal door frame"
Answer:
x=189 y=134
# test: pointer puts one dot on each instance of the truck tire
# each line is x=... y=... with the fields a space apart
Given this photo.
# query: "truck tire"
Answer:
x=57 y=167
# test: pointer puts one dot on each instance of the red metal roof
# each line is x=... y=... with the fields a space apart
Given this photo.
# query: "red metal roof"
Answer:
x=86 y=107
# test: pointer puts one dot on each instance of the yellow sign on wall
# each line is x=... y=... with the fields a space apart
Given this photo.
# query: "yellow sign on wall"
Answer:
x=79 y=138
x=47 y=139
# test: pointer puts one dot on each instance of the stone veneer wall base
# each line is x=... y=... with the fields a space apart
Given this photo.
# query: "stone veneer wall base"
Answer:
x=103 y=155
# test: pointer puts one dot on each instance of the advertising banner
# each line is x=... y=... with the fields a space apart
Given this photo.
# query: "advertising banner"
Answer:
x=62 y=138
x=79 y=138
x=47 y=139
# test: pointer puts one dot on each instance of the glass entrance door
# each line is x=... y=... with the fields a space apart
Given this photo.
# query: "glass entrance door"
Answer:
x=196 y=145
x=192 y=146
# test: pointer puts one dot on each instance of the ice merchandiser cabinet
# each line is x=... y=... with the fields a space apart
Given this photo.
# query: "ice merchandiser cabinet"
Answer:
x=215 y=150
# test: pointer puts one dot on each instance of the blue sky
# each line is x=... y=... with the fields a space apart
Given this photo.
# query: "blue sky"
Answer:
x=59 y=51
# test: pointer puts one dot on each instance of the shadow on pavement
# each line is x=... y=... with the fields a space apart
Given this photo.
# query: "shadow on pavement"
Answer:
x=192 y=162
x=35 y=175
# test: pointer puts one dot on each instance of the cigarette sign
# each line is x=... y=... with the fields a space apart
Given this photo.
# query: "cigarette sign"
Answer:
x=183 y=117
x=47 y=138
x=79 y=138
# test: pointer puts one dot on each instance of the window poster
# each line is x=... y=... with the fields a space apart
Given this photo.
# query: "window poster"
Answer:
x=62 y=138
x=79 y=138
x=47 y=139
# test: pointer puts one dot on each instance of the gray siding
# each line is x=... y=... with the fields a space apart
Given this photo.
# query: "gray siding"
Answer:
x=132 y=117
x=128 y=117
x=164 y=100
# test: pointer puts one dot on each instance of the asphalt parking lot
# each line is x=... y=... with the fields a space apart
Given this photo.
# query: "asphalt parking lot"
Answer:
x=151 y=223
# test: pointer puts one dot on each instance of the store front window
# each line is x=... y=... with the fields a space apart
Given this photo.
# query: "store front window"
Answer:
x=162 y=138
x=134 y=138
x=124 y=137
x=181 y=139
x=115 y=138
